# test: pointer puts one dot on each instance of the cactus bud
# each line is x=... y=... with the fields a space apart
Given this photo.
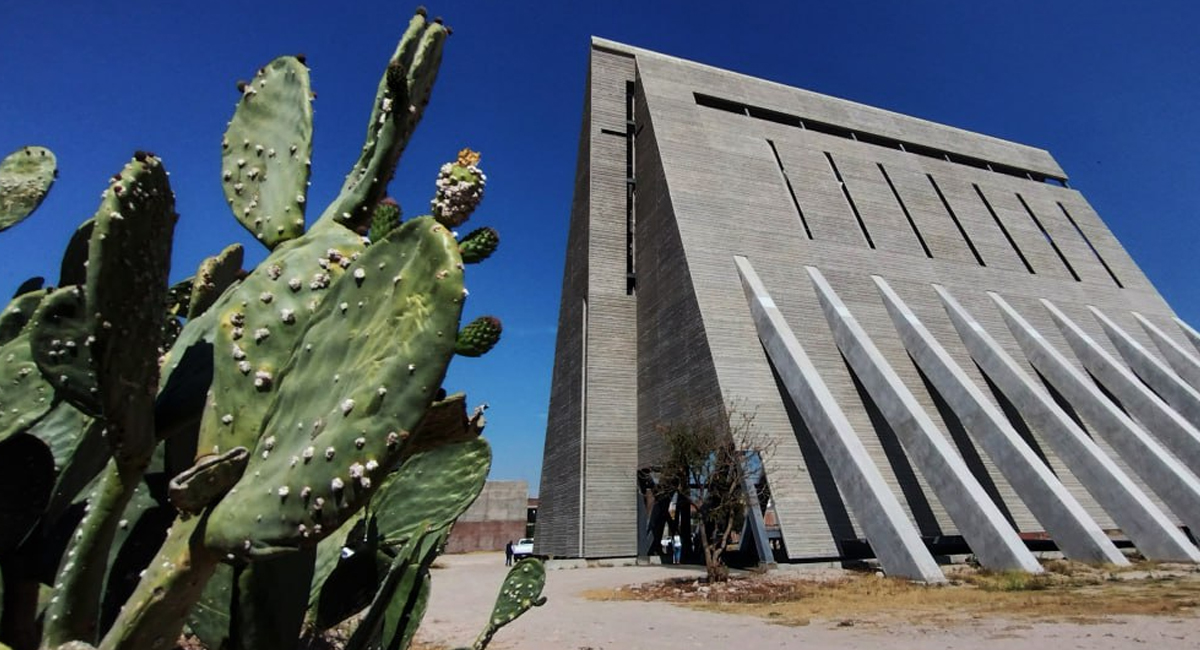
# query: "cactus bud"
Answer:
x=481 y=335
x=386 y=218
x=478 y=245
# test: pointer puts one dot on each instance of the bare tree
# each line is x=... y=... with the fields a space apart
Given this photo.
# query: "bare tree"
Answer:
x=708 y=457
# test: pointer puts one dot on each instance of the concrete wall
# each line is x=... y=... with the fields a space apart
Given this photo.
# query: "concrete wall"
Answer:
x=712 y=184
x=496 y=517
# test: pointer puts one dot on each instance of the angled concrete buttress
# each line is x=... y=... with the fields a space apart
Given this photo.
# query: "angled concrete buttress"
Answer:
x=1174 y=483
x=1172 y=430
x=1190 y=332
x=1077 y=535
x=992 y=539
x=1182 y=360
x=891 y=534
x=1158 y=376
x=1150 y=529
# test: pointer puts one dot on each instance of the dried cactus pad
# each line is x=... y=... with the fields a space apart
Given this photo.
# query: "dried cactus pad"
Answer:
x=362 y=377
x=25 y=178
x=265 y=154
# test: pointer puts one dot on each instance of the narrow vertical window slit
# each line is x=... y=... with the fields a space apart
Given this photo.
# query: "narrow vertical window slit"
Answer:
x=1090 y=245
x=862 y=225
x=954 y=217
x=792 y=192
x=1000 y=224
x=630 y=191
x=1045 y=233
x=903 y=208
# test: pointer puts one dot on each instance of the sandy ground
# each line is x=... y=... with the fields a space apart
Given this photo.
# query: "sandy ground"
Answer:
x=465 y=586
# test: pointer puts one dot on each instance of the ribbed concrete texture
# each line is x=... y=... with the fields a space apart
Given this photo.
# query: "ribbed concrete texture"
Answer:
x=837 y=269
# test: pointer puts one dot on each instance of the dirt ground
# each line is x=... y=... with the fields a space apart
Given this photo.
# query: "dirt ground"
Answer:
x=464 y=588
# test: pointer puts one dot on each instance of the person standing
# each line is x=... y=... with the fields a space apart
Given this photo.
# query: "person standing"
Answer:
x=508 y=554
x=677 y=545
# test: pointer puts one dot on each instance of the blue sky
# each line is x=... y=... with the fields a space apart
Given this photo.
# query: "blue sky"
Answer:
x=1111 y=89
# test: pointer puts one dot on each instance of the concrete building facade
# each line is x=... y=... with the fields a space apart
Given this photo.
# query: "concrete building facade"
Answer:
x=939 y=336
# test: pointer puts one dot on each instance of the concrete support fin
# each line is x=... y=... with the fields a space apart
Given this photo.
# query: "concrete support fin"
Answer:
x=891 y=534
x=1184 y=361
x=1150 y=529
x=1077 y=535
x=1184 y=399
x=979 y=520
x=1190 y=332
x=1172 y=429
x=1173 y=482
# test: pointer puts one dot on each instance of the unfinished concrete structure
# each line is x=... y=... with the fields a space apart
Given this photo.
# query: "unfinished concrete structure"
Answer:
x=940 y=337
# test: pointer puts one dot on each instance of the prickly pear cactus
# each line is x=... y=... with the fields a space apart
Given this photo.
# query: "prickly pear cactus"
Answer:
x=136 y=221
x=60 y=340
x=362 y=376
x=478 y=245
x=266 y=153
x=18 y=312
x=214 y=276
x=25 y=178
x=399 y=104
x=478 y=337
x=73 y=269
x=258 y=325
x=521 y=591
x=459 y=189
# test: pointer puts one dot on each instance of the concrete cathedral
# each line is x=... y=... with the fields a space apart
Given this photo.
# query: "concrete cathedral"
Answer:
x=939 y=337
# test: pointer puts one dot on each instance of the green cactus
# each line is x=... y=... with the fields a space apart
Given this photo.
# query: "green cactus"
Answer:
x=258 y=325
x=478 y=337
x=61 y=345
x=287 y=399
x=25 y=178
x=521 y=591
x=26 y=396
x=459 y=189
x=386 y=219
x=399 y=104
x=362 y=376
x=215 y=275
x=123 y=302
x=17 y=314
x=399 y=604
x=73 y=269
x=478 y=245
x=266 y=153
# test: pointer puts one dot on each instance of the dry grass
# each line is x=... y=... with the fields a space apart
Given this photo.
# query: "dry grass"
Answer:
x=1065 y=592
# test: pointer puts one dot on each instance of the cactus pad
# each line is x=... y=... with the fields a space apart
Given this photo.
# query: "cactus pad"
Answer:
x=478 y=337
x=25 y=396
x=258 y=325
x=200 y=485
x=61 y=338
x=25 y=178
x=73 y=269
x=522 y=590
x=214 y=276
x=431 y=488
x=129 y=257
x=360 y=381
x=18 y=312
x=399 y=103
x=265 y=156
x=478 y=245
